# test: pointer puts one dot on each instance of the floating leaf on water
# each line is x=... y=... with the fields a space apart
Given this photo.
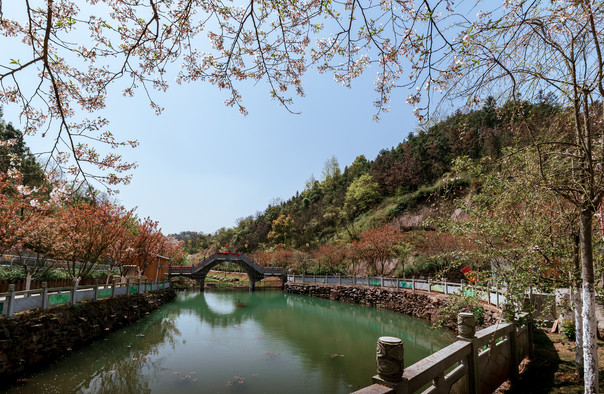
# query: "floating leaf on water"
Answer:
x=175 y=373
x=195 y=380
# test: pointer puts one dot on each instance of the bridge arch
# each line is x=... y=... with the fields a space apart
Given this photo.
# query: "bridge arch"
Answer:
x=254 y=271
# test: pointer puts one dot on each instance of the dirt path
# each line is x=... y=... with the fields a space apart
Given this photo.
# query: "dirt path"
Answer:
x=553 y=368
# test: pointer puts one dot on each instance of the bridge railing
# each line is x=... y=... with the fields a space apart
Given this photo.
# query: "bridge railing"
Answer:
x=18 y=301
x=227 y=256
x=492 y=295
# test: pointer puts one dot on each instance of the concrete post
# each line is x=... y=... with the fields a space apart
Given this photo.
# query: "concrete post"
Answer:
x=381 y=281
x=74 y=290
x=139 y=285
x=303 y=278
x=127 y=287
x=390 y=363
x=466 y=328
x=514 y=374
x=95 y=297
x=44 y=295
x=11 y=300
x=446 y=289
x=112 y=288
x=413 y=284
x=339 y=278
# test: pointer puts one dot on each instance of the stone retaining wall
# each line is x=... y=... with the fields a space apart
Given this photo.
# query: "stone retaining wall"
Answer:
x=420 y=304
x=31 y=340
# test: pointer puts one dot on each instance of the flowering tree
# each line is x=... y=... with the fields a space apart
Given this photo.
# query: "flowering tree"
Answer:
x=146 y=244
x=376 y=246
x=84 y=236
x=21 y=214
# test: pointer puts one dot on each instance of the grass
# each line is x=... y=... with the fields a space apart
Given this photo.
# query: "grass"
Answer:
x=553 y=368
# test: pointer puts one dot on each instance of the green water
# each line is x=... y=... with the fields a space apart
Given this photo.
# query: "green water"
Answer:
x=205 y=343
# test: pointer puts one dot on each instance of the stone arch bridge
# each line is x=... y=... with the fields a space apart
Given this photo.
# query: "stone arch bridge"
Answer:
x=254 y=271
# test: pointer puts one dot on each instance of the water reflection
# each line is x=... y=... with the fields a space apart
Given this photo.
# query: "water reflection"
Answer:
x=210 y=342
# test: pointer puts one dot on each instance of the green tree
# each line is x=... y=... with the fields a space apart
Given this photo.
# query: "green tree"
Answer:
x=361 y=195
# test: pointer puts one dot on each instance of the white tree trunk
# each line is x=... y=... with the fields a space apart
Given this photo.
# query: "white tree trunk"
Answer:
x=590 y=346
x=577 y=310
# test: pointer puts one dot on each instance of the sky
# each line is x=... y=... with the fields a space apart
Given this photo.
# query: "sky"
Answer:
x=202 y=165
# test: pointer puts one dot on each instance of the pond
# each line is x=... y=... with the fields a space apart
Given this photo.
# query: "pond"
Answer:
x=239 y=342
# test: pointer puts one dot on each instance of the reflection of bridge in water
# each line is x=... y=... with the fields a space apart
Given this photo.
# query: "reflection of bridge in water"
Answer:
x=254 y=271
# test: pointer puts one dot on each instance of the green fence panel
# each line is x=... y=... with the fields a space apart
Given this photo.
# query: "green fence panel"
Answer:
x=104 y=293
x=148 y=287
x=1 y=307
x=406 y=285
x=374 y=282
x=133 y=289
x=438 y=288
x=55 y=299
x=161 y=286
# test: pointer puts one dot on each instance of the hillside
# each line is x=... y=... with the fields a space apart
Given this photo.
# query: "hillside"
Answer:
x=403 y=186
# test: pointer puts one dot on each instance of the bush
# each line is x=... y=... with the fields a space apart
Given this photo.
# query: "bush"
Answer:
x=568 y=329
x=469 y=301
x=12 y=274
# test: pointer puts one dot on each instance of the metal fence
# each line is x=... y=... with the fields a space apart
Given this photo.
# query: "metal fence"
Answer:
x=18 y=301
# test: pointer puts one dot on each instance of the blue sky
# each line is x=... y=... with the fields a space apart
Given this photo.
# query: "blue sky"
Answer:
x=203 y=165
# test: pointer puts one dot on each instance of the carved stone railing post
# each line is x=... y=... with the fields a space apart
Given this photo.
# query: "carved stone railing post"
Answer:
x=389 y=359
x=466 y=328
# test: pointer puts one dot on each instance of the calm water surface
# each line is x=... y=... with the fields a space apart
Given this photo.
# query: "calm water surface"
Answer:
x=205 y=343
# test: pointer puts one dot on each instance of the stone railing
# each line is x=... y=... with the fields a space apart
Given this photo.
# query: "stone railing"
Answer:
x=478 y=362
x=19 y=301
x=491 y=295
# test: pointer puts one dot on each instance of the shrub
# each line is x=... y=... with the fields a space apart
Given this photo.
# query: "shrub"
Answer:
x=469 y=301
x=568 y=329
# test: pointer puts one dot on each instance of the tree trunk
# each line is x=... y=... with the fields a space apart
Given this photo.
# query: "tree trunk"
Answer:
x=577 y=305
x=590 y=350
x=28 y=282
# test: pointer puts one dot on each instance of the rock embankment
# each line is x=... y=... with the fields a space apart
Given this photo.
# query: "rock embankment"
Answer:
x=31 y=340
x=420 y=304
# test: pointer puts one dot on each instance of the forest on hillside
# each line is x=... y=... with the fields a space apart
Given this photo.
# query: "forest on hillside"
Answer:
x=379 y=216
